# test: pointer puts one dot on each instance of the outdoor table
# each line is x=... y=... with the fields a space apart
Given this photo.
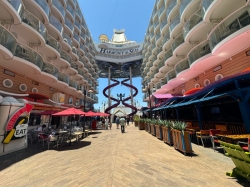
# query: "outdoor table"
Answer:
x=235 y=138
x=77 y=135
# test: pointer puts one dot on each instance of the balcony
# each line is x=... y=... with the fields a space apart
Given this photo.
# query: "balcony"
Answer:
x=44 y=5
x=69 y=24
x=164 y=22
x=161 y=9
x=178 y=41
x=73 y=84
x=67 y=39
x=7 y=40
x=166 y=38
x=181 y=66
x=158 y=36
x=71 y=10
x=33 y=22
x=63 y=78
x=55 y=22
x=29 y=54
x=174 y=23
x=171 y=75
x=183 y=5
x=198 y=52
x=17 y=4
x=78 y=24
x=170 y=7
x=74 y=65
x=191 y=22
x=229 y=25
x=204 y=6
x=156 y=23
x=83 y=36
x=50 y=69
x=52 y=42
x=76 y=37
x=59 y=7
x=160 y=64
x=65 y=56
x=78 y=11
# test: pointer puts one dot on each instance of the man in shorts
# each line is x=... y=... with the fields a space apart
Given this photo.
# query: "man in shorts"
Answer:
x=117 y=121
x=122 y=123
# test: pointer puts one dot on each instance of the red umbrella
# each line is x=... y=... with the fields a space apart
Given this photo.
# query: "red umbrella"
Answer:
x=90 y=113
x=102 y=114
x=48 y=112
x=69 y=112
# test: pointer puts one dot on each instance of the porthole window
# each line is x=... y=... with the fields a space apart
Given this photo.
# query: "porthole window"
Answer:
x=7 y=83
x=22 y=87
x=70 y=100
x=218 y=77
x=197 y=85
x=206 y=82
x=34 y=90
x=183 y=91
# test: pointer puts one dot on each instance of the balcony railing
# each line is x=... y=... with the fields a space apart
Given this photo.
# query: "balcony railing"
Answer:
x=55 y=22
x=205 y=5
x=161 y=9
x=59 y=6
x=156 y=23
x=50 y=69
x=166 y=38
x=178 y=41
x=164 y=22
x=76 y=37
x=73 y=84
x=158 y=36
x=7 y=40
x=44 y=5
x=29 y=54
x=65 y=56
x=67 y=39
x=167 y=55
x=63 y=78
x=174 y=23
x=171 y=75
x=17 y=5
x=69 y=23
x=183 y=5
x=170 y=7
x=33 y=22
x=78 y=11
x=191 y=22
x=53 y=43
x=181 y=66
x=71 y=10
x=198 y=52
x=234 y=22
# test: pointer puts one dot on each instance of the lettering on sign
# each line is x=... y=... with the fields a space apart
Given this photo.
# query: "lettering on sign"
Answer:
x=21 y=130
x=120 y=52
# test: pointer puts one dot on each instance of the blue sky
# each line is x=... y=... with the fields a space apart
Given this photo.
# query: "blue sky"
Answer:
x=104 y=16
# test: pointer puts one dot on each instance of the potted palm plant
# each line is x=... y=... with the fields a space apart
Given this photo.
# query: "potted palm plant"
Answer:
x=181 y=138
x=158 y=129
x=147 y=124
x=167 y=132
x=141 y=124
x=136 y=119
x=152 y=126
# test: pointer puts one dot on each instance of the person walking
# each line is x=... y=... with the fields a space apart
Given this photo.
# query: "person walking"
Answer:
x=122 y=123
x=127 y=119
x=117 y=121
x=106 y=123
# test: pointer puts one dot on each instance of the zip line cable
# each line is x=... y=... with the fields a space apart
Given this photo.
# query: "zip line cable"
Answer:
x=112 y=16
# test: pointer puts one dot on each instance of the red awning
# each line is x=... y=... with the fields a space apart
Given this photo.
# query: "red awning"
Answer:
x=245 y=70
x=191 y=91
x=37 y=96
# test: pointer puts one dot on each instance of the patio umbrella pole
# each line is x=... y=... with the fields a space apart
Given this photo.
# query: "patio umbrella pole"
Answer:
x=70 y=130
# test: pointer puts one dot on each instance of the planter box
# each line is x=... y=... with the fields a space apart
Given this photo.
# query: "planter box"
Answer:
x=141 y=125
x=158 y=131
x=146 y=126
x=152 y=127
x=136 y=123
x=182 y=141
x=167 y=135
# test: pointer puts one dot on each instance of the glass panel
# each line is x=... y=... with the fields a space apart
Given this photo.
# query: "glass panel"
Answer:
x=178 y=41
x=78 y=11
x=17 y=4
x=53 y=43
x=83 y=36
x=77 y=23
x=175 y=22
x=69 y=23
x=55 y=22
x=166 y=38
x=167 y=55
x=191 y=22
x=71 y=10
x=67 y=39
x=7 y=40
x=205 y=5
x=171 y=75
x=77 y=38
x=73 y=65
x=161 y=9
x=28 y=54
x=33 y=22
x=181 y=66
x=198 y=52
x=59 y=6
x=156 y=23
x=170 y=7
x=44 y=5
x=65 y=56
x=62 y=77
x=50 y=69
x=184 y=4
x=230 y=25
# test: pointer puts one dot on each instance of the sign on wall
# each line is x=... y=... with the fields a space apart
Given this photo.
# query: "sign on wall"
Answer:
x=119 y=52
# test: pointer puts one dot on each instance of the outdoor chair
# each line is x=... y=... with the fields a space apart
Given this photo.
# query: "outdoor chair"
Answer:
x=203 y=135
x=53 y=138
x=214 y=138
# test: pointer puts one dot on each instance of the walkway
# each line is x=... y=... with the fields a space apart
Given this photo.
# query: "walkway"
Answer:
x=110 y=158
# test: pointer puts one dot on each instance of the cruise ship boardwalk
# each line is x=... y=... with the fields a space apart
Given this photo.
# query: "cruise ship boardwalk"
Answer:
x=110 y=158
